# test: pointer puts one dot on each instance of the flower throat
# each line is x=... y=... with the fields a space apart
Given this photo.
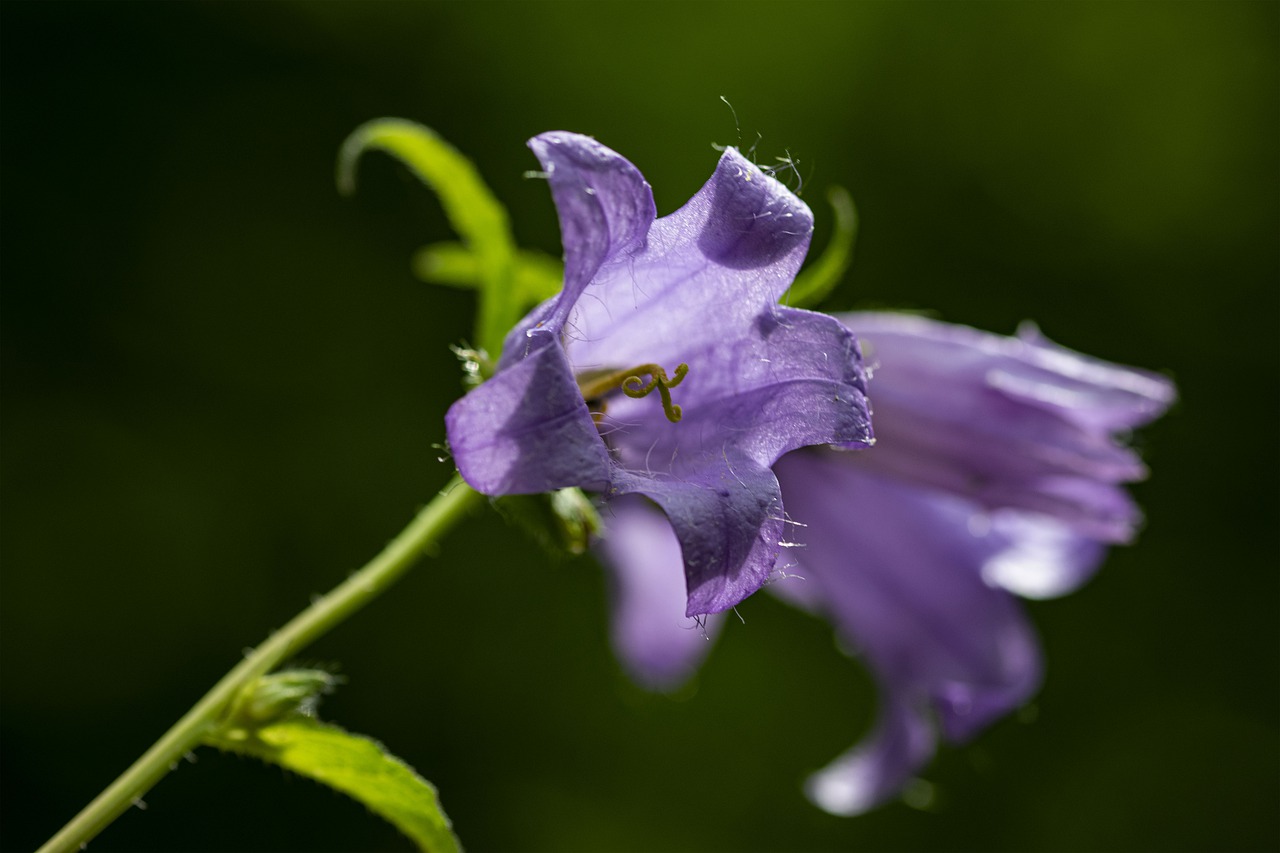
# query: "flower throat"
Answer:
x=597 y=384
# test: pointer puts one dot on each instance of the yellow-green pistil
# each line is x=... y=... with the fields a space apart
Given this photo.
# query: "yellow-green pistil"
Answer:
x=596 y=384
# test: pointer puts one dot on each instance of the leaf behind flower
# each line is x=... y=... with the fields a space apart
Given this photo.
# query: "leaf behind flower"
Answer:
x=537 y=276
x=473 y=211
x=817 y=280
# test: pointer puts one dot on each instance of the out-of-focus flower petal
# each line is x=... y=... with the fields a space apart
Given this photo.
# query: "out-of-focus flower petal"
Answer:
x=900 y=571
x=1008 y=422
x=997 y=470
x=659 y=647
x=1101 y=395
x=1095 y=394
x=1042 y=557
x=876 y=770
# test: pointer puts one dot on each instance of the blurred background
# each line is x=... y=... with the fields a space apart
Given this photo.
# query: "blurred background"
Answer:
x=222 y=388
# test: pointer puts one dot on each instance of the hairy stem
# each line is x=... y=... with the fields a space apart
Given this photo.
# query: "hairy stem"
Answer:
x=431 y=523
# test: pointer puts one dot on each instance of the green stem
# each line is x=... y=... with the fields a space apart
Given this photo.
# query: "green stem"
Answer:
x=355 y=592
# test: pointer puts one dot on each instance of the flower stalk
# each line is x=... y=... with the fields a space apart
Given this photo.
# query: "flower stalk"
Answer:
x=204 y=718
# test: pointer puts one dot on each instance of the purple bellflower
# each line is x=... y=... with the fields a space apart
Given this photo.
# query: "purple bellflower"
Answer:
x=996 y=473
x=665 y=369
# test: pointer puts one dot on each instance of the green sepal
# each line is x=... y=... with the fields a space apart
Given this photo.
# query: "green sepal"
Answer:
x=478 y=217
x=280 y=695
x=270 y=722
x=562 y=522
x=818 y=279
x=537 y=276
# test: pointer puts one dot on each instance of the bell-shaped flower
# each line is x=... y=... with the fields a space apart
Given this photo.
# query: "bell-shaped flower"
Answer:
x=666 y=369
x=995 y=473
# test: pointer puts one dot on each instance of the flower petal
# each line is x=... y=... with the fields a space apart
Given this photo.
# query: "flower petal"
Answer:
x=1100 y=395
x=708 y=269
x=794 y=379
x=605 y=208
x=696 y=288
x=877 y=769
x=1008 y=422
x=527 y=430
x=1094 y=394
x=726 y=514
x=1043 y=557
x=659 y=646
x=901 y=572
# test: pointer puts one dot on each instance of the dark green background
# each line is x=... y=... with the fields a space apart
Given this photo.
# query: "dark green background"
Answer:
x=222 y=389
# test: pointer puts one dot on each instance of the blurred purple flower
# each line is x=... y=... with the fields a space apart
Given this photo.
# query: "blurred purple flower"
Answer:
x=995 y=471
x=642 y=298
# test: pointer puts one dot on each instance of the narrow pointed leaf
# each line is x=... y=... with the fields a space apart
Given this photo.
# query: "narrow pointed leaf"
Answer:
x=450 y=264
x=818 y=279
x=473 y=211
x=356 y=766
x=537 y=276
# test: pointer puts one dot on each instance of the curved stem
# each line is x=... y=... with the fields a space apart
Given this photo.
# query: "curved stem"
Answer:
x=401 y=553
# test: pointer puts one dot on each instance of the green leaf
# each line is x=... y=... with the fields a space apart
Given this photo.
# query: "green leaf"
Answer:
x=537 y=276
x=356 y=766
x=450 y=264
x=472 y=210
x=816 y=281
